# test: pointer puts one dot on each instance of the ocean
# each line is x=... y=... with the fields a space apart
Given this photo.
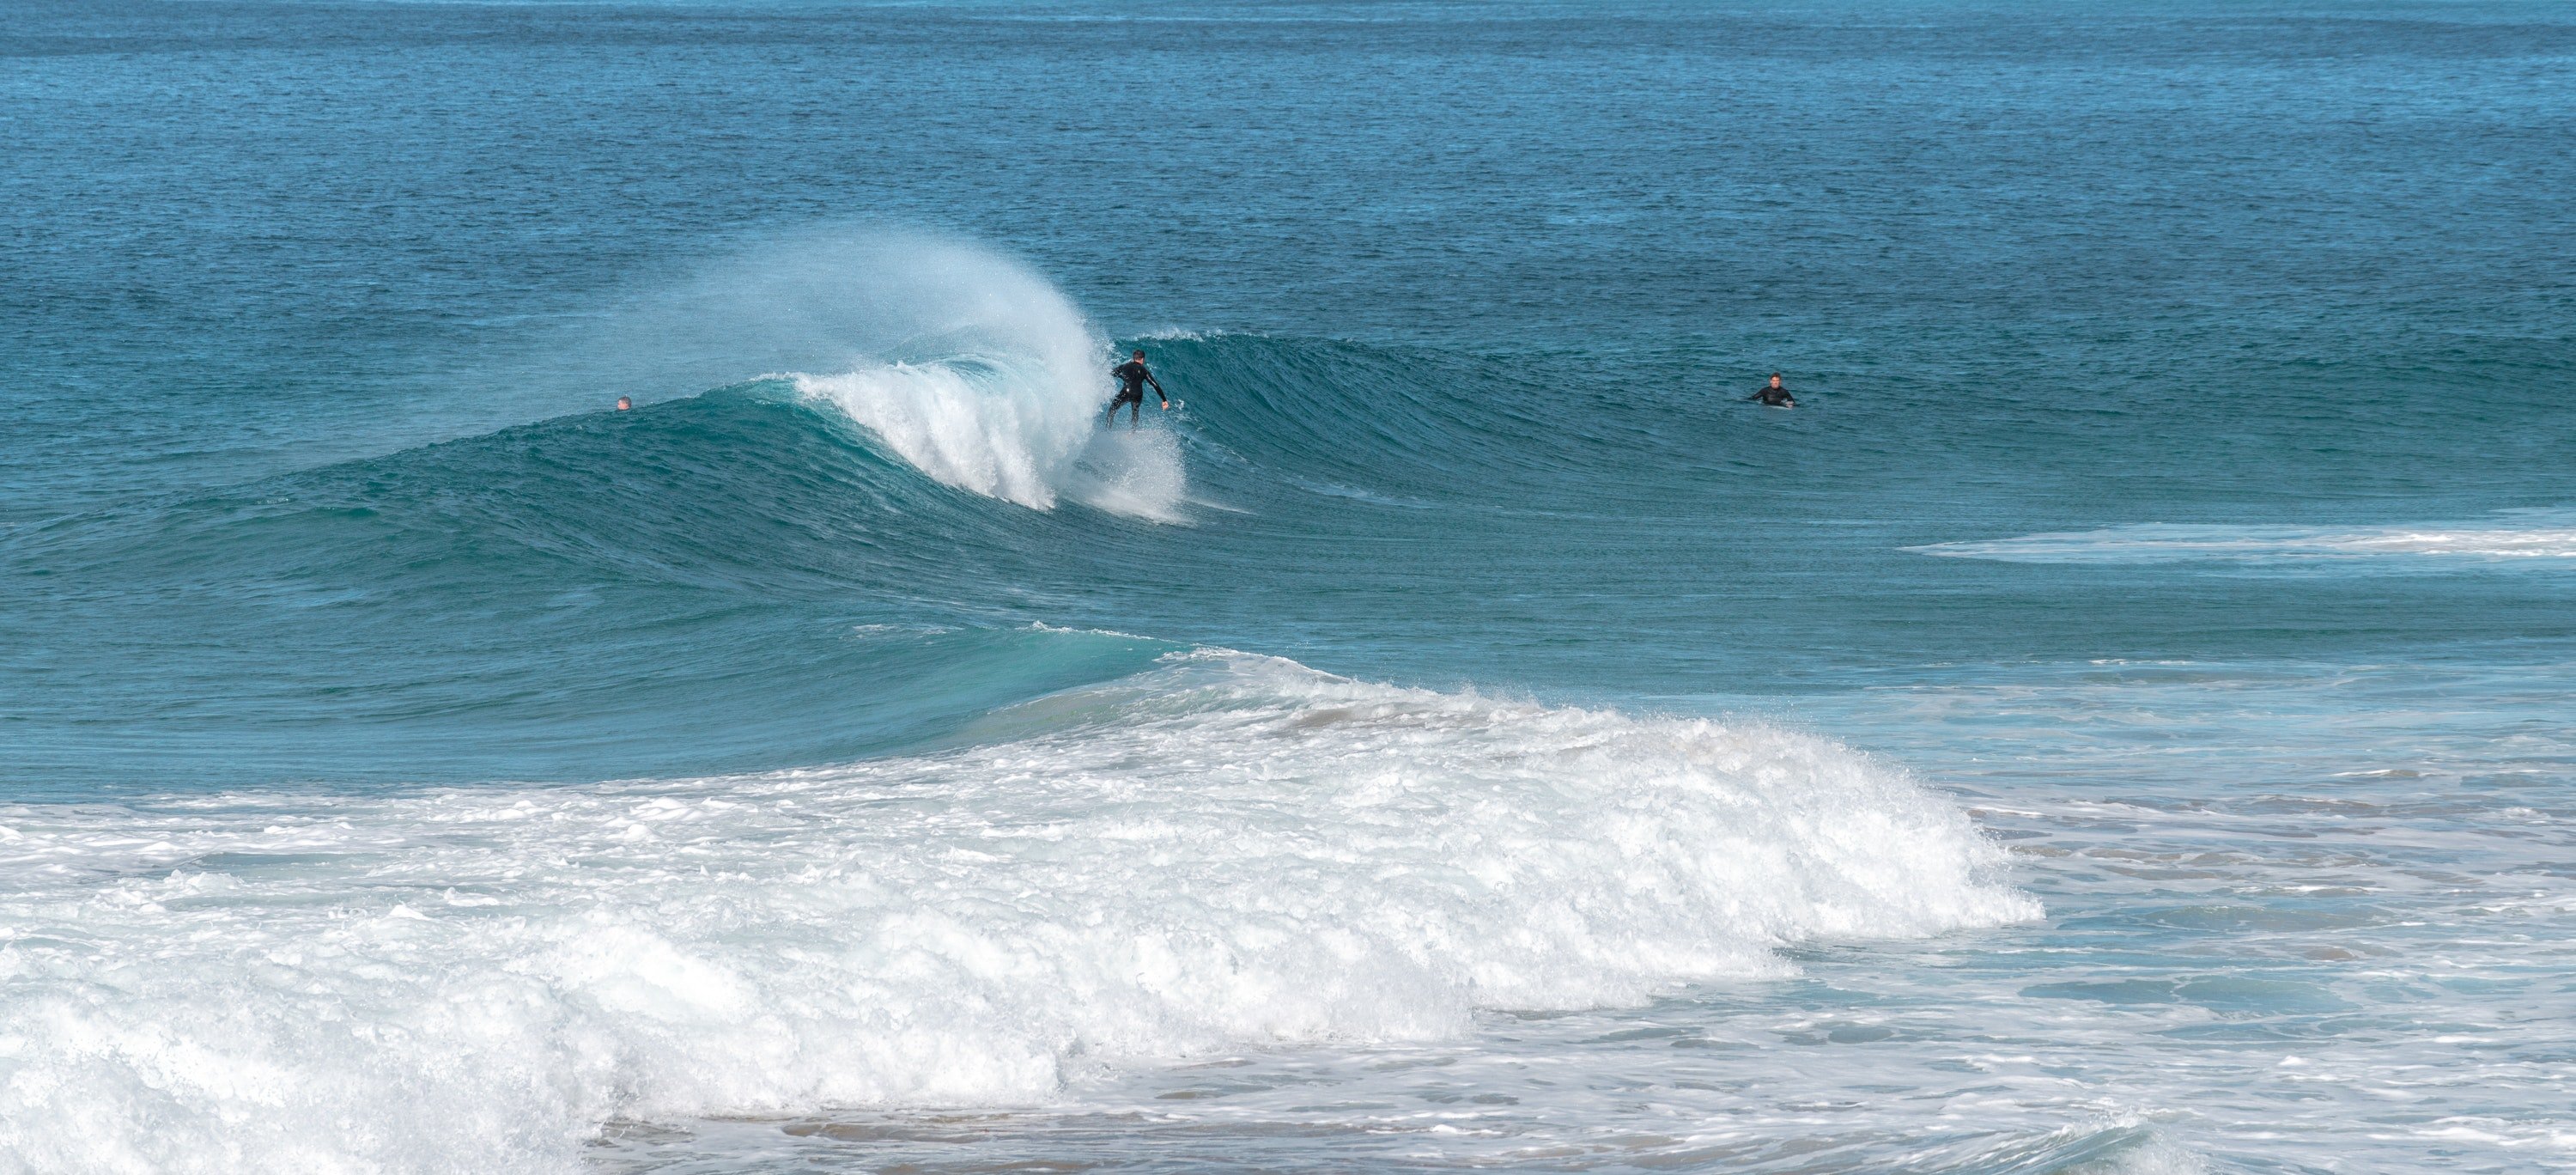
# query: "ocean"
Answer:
x=2118 y=723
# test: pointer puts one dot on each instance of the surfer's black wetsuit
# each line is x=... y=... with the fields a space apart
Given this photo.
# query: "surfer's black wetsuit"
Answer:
x=1775 y=397
x=1132 y=378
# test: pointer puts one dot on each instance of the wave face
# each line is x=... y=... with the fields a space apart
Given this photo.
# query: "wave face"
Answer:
x=730 y=581
x=790 y=569
x=1226 y=851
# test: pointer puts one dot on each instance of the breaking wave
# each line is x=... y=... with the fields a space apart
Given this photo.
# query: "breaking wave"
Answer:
x=1226 y=851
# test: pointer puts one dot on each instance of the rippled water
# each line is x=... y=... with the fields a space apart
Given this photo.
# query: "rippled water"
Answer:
x=2117 y=723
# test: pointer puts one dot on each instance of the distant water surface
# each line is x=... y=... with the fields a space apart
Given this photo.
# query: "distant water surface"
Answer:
x=2118 y=722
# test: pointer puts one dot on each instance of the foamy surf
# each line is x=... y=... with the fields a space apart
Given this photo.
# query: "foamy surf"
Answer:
x=1136 y=472
x=999 y=429
x=977 y=427
x=983 y=376
x=1228 y=852
x=2546 y=535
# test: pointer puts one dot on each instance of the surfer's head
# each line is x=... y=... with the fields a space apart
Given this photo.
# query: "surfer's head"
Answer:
x=623 y=403
x=1138 y=353
x=1775 y=379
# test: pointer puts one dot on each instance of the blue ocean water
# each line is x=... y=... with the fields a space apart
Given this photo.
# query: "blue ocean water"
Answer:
x=2117 y=722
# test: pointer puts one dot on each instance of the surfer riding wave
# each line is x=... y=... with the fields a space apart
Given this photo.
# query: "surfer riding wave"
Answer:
x=1132 y=378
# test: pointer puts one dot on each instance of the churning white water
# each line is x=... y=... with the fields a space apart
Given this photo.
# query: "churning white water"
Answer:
x=1228 y=852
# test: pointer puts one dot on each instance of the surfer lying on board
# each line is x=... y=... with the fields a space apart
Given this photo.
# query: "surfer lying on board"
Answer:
x=1774 y=395
x=1132 y=378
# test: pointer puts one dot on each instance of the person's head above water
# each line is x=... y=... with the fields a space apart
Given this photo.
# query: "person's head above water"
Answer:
x=623 y=403
x=1775 y=379
x=1138 y=353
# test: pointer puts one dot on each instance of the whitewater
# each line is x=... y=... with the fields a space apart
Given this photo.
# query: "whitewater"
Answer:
x=772 y=775
x=2540 y=534
x=1228 y=852
x=2118 y=725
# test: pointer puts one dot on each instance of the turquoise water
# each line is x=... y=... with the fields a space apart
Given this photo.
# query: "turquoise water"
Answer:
x=2117 y=723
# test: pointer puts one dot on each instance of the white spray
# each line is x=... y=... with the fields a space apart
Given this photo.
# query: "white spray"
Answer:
x=964 y=364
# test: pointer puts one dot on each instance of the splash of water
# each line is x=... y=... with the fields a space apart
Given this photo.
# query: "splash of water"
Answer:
x=963 y=363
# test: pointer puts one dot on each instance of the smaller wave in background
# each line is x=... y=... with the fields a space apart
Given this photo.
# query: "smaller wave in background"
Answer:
x=1225 y=851
x=2539 y=535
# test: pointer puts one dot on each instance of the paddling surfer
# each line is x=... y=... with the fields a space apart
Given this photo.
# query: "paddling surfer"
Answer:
x=1773 y=395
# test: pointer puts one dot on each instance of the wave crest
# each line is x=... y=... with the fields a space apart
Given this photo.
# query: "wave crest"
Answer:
x=963 y=363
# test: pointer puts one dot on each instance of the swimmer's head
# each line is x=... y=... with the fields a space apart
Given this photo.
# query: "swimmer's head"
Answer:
x=623 y=403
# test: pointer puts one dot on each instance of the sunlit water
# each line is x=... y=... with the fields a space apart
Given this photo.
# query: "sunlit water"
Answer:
x=2117 y=723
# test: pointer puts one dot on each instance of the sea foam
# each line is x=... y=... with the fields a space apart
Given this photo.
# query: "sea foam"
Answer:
x=1227 y=852
x=2532 y=535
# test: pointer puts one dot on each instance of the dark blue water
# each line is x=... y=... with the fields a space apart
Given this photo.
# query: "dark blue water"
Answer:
x=2116 y=722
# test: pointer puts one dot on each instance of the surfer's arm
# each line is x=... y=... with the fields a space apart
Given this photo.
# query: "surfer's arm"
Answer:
x=1158 y=390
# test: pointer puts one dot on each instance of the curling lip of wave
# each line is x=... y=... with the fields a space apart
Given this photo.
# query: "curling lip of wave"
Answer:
x=2162 y=543
x=1226 y=851
x=963 y=363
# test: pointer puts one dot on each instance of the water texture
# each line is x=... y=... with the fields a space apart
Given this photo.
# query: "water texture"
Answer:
x=2118 y=722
